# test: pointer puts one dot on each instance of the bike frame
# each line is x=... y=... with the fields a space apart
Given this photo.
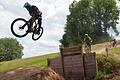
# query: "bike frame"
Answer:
x=30 y=25
x=26 y=28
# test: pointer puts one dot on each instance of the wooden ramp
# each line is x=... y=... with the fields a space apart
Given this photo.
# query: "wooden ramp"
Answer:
x=74 y=65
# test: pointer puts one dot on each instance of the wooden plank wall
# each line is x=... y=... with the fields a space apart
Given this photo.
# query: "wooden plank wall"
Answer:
x=56 y=64
x=74 y=65
x=90 y=65
x=71 y=50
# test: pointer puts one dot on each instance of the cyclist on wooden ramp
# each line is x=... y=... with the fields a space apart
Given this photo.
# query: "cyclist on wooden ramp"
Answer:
x=87 y=42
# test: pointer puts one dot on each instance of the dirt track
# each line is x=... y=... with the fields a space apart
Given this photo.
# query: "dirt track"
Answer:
x=102 y=48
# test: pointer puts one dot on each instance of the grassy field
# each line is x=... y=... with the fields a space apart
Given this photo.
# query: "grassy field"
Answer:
x=115 y=50
x=39 y=61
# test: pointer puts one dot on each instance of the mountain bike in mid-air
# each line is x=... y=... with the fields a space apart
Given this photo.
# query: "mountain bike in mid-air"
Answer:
x=20 y=28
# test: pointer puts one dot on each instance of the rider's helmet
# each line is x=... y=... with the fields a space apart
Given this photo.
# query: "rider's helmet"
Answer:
x=86 y=35
x=27 y=5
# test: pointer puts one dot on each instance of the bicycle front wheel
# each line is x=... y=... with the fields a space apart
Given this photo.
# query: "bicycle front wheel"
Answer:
x=19 y=27
x=37 y=33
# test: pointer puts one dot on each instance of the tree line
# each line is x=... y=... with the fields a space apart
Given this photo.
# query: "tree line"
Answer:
x=93 y=17
x=10 y=49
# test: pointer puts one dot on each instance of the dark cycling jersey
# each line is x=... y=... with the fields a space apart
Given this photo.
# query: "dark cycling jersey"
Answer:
x=87 y=40
x=34 y=11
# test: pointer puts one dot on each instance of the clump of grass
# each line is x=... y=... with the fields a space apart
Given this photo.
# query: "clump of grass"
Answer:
x=106 y=65
x=115 y=50
x=99 y=76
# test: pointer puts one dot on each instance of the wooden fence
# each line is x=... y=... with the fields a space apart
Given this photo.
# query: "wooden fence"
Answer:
x=74 y=65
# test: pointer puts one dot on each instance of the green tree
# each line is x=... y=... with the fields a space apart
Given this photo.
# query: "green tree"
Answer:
x=10 y=49
x=64 y=41
x=94 y=17
x=106 y=15
x=79 y=21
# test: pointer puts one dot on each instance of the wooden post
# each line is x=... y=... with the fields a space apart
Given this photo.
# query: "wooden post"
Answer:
x=48 y=62
x=106 y=49
x=84 y=67
x=61 y=51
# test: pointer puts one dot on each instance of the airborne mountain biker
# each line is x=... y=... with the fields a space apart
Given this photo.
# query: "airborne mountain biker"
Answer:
x=88 y=41
x=35 y=13
x=20 y=27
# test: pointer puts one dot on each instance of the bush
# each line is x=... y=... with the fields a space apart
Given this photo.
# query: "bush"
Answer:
x=106 y=65
x=10 y=49
x=99 y=76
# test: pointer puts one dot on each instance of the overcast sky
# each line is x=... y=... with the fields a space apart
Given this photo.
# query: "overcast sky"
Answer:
x=54 y=20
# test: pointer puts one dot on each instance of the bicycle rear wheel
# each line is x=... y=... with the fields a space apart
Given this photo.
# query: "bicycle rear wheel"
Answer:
x=19 y=27
x=37 y=33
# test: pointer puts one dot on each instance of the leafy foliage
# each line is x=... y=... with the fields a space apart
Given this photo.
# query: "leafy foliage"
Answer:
x=107 y=65
x=94 y=17
x=100 y=76
x=10 y=49
x=106 y=14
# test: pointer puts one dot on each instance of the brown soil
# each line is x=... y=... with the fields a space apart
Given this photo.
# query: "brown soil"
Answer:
x=20 y=74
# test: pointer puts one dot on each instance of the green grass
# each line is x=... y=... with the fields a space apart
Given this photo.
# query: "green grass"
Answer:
x=115 y=50
x=39 y=61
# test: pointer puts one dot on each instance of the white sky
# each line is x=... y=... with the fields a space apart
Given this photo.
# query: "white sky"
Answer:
x=54 y=20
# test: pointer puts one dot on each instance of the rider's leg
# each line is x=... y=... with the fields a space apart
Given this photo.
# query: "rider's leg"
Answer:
x=40 y=21
x=33 y=20
x=31 y=23
x=90 y=47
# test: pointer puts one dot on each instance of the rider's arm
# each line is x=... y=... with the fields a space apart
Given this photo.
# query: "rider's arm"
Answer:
x=32 y=14
x=90 y=39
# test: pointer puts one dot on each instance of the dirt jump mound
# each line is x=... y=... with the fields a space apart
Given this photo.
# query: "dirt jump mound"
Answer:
x=31 y=73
